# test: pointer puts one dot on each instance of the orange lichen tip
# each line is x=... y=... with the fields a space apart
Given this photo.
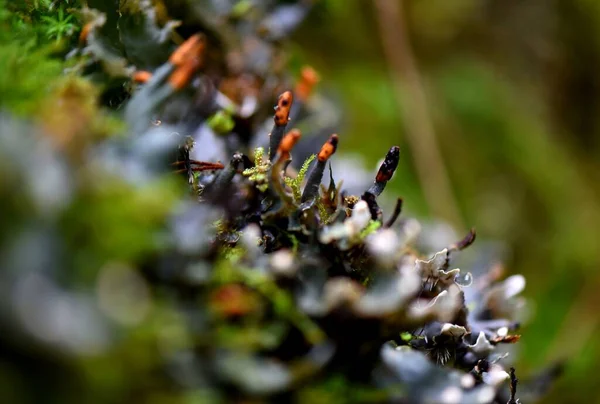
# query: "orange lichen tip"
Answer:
x=507 y=339
x=141 y=76
x=85 y=32
x=289 y=141
x=183 y=75
x=282 y=110
x=191 y=48
x=328 y=148
x=308 y=80
x=233 y=301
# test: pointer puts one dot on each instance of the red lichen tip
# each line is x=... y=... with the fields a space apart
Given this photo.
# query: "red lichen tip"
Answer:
x=193 y=47
x=328 y=148
x=308 y=80
x=282 y=110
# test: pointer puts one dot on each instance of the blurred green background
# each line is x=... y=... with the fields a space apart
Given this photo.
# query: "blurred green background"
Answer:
x=502 y=98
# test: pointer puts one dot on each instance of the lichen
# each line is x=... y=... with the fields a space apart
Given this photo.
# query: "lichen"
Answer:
x=233 y=281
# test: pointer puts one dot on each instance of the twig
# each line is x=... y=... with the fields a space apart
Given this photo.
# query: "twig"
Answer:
x=513 y=387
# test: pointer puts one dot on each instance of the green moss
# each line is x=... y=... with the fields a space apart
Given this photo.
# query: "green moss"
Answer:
x=258 y=174
x=337 y=389
x=30 y=55
x=371 y=228
x=296 y=183
x=227 y=270
x=28 y=75
x=109 y=220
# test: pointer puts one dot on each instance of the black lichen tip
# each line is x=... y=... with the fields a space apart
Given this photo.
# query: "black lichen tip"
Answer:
x=389 y=165
x=386 y=171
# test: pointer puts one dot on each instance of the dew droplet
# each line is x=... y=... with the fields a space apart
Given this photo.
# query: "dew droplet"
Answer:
x=464 y=279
